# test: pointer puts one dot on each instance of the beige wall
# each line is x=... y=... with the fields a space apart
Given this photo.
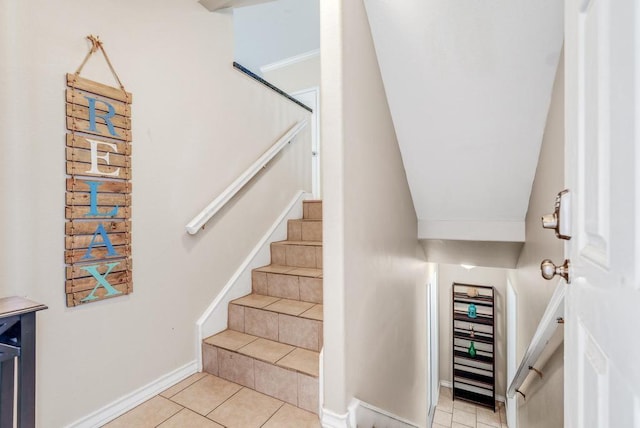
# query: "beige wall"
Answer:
x=544 y=404
x=477 y=253
x=496 y=277
x=296 y=77
x=375 y=273
x=191 y=117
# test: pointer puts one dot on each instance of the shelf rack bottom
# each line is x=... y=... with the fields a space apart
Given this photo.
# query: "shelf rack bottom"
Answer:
x=473 y=397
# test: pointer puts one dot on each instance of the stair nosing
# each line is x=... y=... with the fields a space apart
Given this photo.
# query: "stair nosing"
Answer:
x=303 y=243
x=289 y=273
x=238 y=351
x=278 y=299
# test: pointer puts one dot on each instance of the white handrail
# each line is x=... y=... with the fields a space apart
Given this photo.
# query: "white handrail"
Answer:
x=205 y=215
x=546 y=328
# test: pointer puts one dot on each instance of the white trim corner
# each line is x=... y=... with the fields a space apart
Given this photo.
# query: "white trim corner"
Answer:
x=305 y=56
x=332 y=419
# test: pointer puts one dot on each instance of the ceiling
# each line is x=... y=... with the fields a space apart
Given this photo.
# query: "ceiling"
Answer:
x=270 y=32
x=469 y=85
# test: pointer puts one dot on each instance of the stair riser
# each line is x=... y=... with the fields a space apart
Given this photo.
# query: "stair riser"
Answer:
x=312 y=210
x=287 y=286
x=292 y=330
x=295 y=388
x=304 y=230
x=308 y=256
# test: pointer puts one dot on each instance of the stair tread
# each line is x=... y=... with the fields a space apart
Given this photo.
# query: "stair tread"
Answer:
x=289 y=307
x=282 y=306
x=302 y=360
x=314 y=313
x=254 y=300
x=269 y=351
x=305 y=243
x=230 y=339
x=266 y=350
x=291 y=270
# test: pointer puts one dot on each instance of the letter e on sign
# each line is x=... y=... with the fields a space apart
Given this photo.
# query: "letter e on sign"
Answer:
x=94 y=157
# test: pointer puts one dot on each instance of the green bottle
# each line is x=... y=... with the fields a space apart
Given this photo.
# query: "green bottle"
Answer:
x=472 y=350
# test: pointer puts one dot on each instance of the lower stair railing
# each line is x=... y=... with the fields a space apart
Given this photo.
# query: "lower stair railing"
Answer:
x=553 y=316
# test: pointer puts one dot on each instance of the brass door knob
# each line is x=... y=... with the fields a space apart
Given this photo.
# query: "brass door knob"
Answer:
x=549 y=270
x=559 y=220
x=550 y=221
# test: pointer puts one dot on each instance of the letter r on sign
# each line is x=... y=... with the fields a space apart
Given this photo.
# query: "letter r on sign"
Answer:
x=106 y=116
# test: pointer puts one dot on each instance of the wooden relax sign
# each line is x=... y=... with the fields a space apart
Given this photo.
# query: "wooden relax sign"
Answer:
x=98 y=191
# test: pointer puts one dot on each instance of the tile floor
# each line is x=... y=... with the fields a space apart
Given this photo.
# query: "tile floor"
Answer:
x=206 y=401
x=462 y=414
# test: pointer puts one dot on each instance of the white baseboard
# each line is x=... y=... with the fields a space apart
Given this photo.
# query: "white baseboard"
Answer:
x=448 y=384
x=135 y=398
x=334 y=420
x=363 y=415
x=214 y=318
x=367 y=415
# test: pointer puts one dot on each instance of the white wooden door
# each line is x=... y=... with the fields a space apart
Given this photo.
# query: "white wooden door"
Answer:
x=602 y=330
x=311 y=98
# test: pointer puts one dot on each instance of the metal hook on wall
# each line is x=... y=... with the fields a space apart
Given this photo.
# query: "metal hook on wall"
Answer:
x=536 y=370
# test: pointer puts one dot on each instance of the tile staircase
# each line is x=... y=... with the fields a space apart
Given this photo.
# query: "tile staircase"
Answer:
x=274 y=335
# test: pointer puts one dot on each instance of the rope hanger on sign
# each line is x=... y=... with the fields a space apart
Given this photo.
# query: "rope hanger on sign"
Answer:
x=96 y=44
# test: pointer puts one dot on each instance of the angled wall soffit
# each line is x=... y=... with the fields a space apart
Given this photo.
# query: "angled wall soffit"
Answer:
x=219 y=5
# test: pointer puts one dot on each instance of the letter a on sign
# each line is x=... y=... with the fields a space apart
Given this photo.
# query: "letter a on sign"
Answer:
x=105 y=241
